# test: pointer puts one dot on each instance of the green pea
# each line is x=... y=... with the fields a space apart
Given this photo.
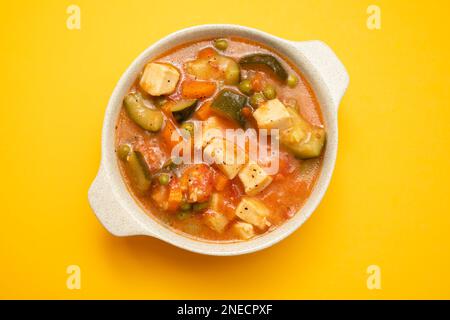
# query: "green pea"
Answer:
x=185 y=206
x=189 y=127
x=256 y=99
x=292 y=81
x=246 y=86
x=221 y=44
x=270 y=92
x=200 y=206
x=123 y=151
x=164 y=179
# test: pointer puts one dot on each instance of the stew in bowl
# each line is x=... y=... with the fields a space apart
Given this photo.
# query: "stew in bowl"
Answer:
x=220 y=139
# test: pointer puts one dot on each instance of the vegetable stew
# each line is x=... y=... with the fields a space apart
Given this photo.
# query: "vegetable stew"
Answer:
x=185 y=102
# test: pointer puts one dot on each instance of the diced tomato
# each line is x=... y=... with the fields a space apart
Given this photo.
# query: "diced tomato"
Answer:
x=258 y=82
x=204 y=112
x=206 y=53
x=197 y=89
x=199 y=182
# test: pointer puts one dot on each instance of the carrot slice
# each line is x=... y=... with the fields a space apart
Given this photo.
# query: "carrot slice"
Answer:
x=204 y=111
x=175 y=195
x=166 y=135
x=192 y=89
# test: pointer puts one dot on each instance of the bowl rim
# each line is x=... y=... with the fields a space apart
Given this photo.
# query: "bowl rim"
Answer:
x=149 y=225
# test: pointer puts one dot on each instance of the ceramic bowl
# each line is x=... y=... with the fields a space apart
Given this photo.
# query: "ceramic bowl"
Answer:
x=119 y=212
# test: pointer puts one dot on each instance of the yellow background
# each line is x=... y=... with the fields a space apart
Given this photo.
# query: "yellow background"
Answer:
x=388 y=202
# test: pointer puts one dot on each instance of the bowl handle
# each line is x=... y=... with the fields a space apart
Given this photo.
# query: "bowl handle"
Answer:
x=109 y=211
x=327 y=65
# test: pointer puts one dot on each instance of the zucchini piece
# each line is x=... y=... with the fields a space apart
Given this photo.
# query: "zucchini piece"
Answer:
x=229 y=104
x=266 y=60
x=139 y=171
x=303 y=139
x=183 y=109
x=144 y=117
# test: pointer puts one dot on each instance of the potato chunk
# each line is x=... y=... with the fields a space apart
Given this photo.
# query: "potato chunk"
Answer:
x=228 y=157
x=254 y=178
x=243 y=230
x=159 y=79
x=216 y=220
x=272 y=114
x=253 y=211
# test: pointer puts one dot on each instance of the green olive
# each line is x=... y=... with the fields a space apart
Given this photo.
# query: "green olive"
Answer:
x=123 y=151
x=256 y=99
x=189 y=127
x=292 y=81
x=146 y=118
x=270 y=92
x=185 y=206
x=246 y=86
x=164 y=179
x=221 y=44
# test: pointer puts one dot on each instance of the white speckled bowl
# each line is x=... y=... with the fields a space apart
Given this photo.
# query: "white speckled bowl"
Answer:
x=122 y=216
